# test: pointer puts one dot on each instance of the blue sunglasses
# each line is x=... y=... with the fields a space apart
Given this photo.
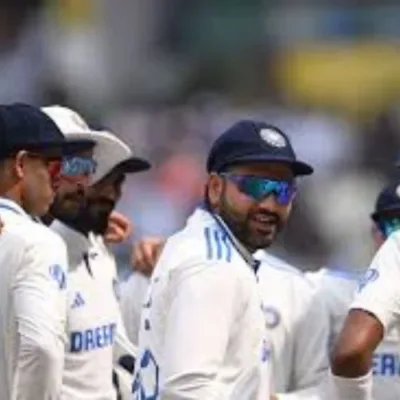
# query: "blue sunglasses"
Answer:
x=259 y=188
x=75 y=166
x=388 y=225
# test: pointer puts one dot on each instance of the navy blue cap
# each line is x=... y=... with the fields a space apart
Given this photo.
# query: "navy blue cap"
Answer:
x=251 y=141
x=388 y=200
x=25 y=127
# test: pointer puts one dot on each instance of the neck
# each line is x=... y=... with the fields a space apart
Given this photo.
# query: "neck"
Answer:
x=11 y=195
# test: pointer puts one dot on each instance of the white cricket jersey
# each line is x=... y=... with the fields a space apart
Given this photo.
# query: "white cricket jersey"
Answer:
x=33 y=297
x=133 y=292
x=338 y=288
x=202 y=333
x=93 y=317
x=298 y=327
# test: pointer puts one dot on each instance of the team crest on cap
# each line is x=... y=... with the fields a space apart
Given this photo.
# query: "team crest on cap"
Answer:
x=273 y=138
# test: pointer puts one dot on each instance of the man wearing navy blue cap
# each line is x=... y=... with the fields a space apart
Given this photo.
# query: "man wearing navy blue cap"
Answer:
x=202 y=333
x=245 y=163
x=33 y=259
x=30 y=143
x=386 y=215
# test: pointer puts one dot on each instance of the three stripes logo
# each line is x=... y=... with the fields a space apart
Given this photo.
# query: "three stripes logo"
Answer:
x=78 y=301
x=218 y=244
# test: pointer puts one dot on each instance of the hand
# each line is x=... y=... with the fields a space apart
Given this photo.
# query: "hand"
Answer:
x=118 y=230
x=145 y=254
x=273 y=397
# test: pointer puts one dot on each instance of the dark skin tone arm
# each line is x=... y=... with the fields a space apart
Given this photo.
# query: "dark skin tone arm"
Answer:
x=361 y=334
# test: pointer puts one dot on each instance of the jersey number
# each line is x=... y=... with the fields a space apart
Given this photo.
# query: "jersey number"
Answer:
x=146 y=384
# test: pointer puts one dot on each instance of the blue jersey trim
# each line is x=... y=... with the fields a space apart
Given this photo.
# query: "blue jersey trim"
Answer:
x=344 y=274
x=218 y=245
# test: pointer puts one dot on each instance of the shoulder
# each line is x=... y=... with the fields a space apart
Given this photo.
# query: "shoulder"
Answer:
x=389 y=253
x=336 y=286
x=208 y=244
x=205 y=252
x=274 y=266
x=327 y=275
x=33 y=234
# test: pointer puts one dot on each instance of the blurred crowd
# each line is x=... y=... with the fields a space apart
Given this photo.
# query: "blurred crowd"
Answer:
x=168 y=77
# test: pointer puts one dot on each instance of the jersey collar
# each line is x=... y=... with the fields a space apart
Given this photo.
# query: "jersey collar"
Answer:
x=12 y=206
x=240 y=248
x=77 y=243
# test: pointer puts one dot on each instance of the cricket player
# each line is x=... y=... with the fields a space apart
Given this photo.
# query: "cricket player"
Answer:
x=365 y=360
x=95 y=329
x=202 y=333
x=296 y=320
x=33 y=260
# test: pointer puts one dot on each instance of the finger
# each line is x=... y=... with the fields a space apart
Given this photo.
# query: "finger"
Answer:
x=122 y=222
x=137 y=256
x=150 y=253
x=115 y=234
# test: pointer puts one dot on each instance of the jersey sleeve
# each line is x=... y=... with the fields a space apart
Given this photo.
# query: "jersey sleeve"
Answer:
x=123 y=346
x=132 y=295
x=379 y=291
x=310 y=361
x=39 y=295
x=197 y=334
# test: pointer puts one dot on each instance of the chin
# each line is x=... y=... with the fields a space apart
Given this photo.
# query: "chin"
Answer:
x=264 y=241
x=99 y=226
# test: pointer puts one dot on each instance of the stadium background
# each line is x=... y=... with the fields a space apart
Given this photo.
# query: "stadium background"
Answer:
x=169 y=75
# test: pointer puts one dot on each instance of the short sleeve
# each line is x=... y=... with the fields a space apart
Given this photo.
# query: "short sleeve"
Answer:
x=379 y=292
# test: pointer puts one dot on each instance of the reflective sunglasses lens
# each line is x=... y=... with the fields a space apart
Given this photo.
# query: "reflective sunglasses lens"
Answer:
x=390 y=225
x=78 y=166
x=259 y=188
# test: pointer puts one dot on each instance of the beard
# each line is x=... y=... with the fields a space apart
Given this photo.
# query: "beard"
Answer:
x=255 y=230
x=96 y=214
x=87 y=215
x=68 y=208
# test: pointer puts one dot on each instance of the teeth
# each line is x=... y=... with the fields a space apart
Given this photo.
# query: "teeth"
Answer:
x=265 y=221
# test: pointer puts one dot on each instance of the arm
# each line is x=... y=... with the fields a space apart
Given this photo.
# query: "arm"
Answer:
x=132 y=297
x=198 y=325
x=310 y=361
x=375 y=308
x=361 y=334
x=39 y=295
x=145 y=254
x=122 y=345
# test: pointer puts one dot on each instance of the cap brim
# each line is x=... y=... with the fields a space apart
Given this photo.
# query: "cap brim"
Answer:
x=378 y=213
x=135 y=164
x=62 y=148
x=298 y=167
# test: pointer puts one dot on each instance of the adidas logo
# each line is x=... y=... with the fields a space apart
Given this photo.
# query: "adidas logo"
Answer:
x=78 y=301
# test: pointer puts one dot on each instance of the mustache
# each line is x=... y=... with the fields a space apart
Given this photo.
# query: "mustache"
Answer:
x=271 y=216
x=102 y=201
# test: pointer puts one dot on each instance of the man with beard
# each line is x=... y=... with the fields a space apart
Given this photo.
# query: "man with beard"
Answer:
x=202 y=332
x=95 y=329
x=297 y=324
